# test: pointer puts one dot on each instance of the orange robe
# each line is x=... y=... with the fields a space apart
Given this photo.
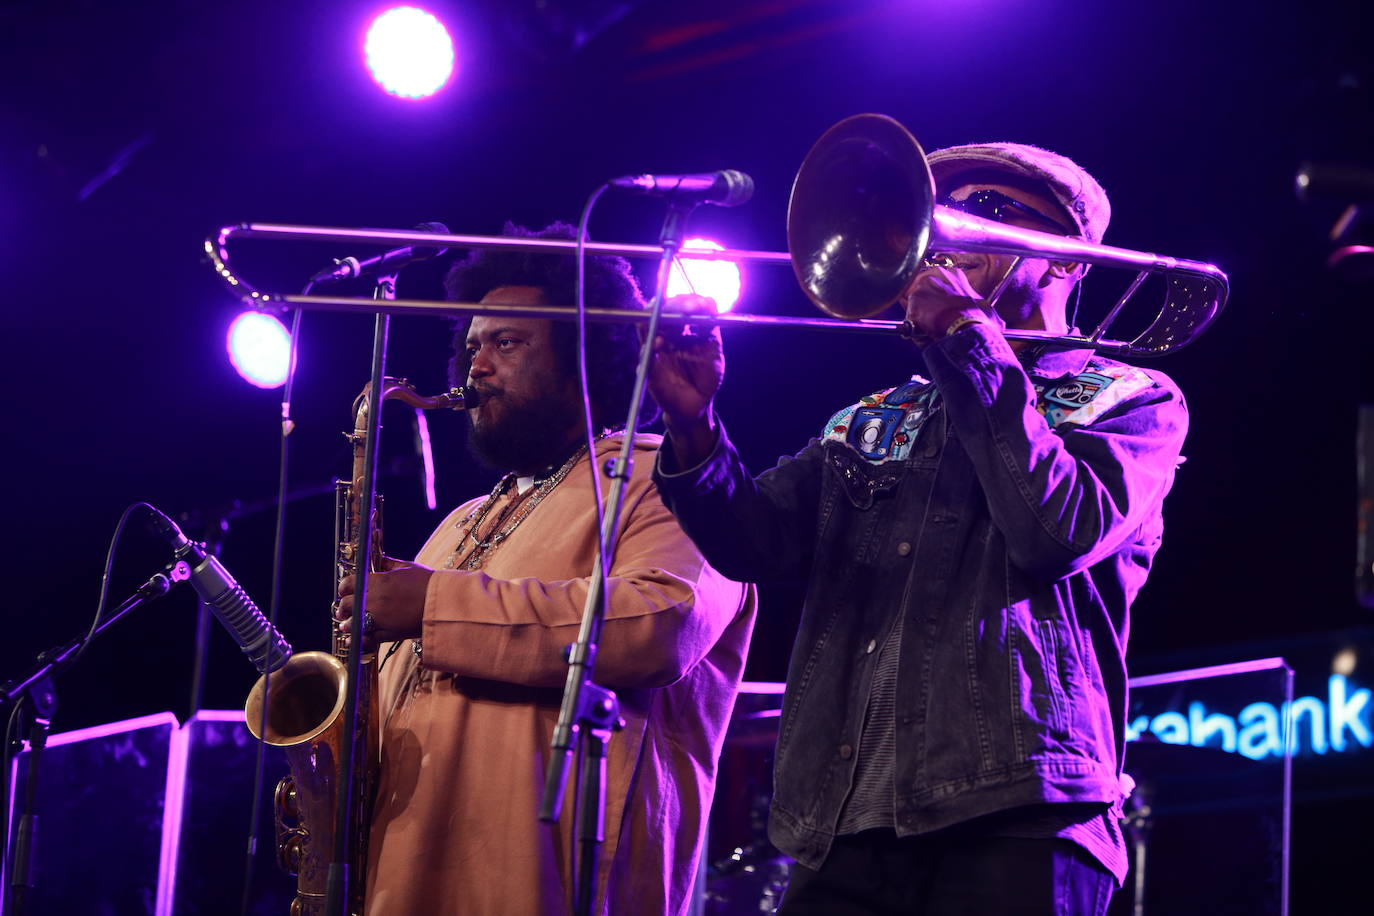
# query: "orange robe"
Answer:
x=455 y=829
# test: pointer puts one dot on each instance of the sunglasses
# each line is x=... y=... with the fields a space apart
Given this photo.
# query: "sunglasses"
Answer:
x=998 y=207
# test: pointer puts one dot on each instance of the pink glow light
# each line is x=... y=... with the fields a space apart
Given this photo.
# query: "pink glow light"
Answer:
x=409 y=52
x=718 y=280
x=174 y=798
x=111 y=728
x=217 y=715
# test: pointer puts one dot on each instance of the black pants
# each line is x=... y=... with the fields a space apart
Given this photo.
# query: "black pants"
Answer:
x=874 y=872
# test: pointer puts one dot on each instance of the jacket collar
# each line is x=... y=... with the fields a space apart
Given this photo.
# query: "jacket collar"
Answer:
x=1048 y=362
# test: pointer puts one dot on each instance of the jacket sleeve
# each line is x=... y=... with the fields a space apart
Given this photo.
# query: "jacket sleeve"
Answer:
x=752 y=530
x=1063 y=498
x=666 y=609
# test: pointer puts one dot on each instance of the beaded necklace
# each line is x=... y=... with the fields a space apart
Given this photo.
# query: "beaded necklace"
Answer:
x=481 y=547
x=477 y=553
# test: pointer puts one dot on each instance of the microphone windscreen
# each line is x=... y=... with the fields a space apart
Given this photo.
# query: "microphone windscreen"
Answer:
x=740 y=187
x=437 y=228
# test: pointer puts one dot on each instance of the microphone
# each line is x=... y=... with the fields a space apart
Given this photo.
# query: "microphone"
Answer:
x=728 y=188
x=1343 y=183
x=259 y=640
x=386 y=263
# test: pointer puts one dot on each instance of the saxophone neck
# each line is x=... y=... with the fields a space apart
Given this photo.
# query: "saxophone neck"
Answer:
x=398 y=389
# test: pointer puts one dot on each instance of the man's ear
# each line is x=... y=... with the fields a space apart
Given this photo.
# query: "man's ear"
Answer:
x=1055 y=271
x=1061 y=270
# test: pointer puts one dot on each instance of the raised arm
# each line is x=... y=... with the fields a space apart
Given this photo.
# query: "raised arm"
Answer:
x=1066 y=497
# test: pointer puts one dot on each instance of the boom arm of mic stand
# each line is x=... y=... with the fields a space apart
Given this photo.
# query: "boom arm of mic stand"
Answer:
x=37 y=683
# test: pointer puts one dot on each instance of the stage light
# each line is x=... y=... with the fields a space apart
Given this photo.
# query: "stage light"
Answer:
x=720 y=280
x=260 y=348
x=1345 y=661
x=409 y=52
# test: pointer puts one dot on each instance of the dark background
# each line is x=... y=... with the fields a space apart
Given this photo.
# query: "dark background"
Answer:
x=130 y=132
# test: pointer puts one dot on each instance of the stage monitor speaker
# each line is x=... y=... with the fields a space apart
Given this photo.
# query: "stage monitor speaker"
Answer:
x=148 y=816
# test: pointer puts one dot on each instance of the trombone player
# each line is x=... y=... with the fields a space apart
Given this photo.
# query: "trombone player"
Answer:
x=952 y=731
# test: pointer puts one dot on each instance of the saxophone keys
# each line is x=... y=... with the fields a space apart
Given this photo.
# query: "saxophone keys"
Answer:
x=286 y=800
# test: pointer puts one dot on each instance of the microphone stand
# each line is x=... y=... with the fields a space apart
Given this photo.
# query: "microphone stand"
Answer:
x=37 y=686
x=43 y=695
x=1139 y=820
x=337 y=891
x=590 y=712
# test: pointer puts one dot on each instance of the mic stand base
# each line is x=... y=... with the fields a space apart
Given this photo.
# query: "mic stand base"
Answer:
x=600 y=716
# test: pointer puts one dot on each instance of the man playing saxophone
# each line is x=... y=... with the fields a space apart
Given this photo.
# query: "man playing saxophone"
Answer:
x=473 y=632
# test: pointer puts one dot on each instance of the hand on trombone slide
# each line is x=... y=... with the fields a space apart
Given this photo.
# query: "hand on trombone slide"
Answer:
x=943 y=296
x=687 y=370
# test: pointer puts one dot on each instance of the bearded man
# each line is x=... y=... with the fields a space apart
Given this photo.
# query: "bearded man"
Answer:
x=474 y=632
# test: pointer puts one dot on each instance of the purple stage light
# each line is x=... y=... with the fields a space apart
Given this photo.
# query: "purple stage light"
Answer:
x=719 y=280
x=409 y=52
x=260 y=348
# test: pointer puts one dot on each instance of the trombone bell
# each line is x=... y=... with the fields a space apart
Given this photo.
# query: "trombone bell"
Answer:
x=863 y=216
x=859 y=219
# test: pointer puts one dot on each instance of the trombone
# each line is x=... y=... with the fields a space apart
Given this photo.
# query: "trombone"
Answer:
x=861 y=223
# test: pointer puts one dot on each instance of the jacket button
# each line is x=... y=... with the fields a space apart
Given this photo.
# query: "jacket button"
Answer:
x=903 y=549
x=932 y=451
x=872 y=644
x=846 y=751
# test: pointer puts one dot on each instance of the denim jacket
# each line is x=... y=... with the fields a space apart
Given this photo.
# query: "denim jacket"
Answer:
x=1011 y=527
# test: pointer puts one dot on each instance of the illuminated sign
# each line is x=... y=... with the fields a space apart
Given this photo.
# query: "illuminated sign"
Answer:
x=1342 y=722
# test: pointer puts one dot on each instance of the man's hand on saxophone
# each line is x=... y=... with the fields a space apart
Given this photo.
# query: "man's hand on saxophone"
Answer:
x=395 y=602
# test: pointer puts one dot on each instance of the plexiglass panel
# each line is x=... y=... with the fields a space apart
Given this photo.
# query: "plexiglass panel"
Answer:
x=1210 y=751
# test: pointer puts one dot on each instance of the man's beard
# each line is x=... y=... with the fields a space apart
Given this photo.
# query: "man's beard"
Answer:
x=527 y=435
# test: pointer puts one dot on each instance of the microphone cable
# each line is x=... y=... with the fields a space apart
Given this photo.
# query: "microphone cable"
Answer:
x=581 y=296
x=593 y=465
x=273 y=605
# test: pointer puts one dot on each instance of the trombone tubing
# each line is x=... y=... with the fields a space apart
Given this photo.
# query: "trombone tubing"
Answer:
x=951 y=231
x=434 y=308
x=217 y=250
x=954 y=231
x=435 y=240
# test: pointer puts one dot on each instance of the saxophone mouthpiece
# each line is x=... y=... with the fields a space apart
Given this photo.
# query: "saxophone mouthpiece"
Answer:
x=468 y=397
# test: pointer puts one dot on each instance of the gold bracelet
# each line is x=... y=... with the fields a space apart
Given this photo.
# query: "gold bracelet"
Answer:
x=963 y=322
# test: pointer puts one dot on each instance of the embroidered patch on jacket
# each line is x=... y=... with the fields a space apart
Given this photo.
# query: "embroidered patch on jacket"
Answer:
x=1088 y=395
x=883 y=425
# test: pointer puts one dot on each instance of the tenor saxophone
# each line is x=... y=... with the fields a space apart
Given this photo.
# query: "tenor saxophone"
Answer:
x=305 y=707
